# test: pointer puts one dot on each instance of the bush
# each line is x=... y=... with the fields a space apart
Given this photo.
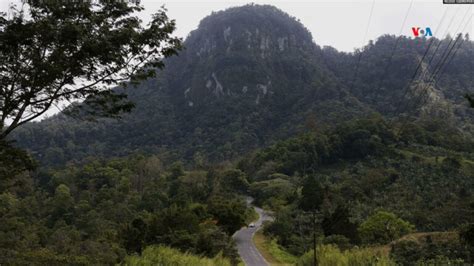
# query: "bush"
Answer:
x=467 y=234
x=430 y=249
x=406 y=252
x=340 y=241
x=165 y=256
x=383 y=227
x=442 y=260
x=329 y=255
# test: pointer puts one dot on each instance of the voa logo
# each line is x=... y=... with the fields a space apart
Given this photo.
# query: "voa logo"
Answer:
x=417 y=31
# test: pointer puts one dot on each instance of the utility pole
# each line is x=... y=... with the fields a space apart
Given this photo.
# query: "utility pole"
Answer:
x=312 y=199
x=315 y=262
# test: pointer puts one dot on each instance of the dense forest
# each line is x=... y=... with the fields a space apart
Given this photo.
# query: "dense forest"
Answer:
x=362 y=174
x=365 y=178
x=378 y=168
x=101 y=211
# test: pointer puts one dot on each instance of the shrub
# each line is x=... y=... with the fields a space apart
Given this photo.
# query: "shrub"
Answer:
x=165 y=256
x=330 y=255
x=340 y=241
x=383 y=227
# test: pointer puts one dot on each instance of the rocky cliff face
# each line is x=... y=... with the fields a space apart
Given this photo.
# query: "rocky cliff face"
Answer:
x=250 y=53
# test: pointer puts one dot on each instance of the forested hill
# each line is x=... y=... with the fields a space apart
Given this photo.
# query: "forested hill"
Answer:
x=252 y=75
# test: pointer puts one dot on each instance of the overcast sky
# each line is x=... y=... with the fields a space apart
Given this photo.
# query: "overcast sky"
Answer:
x=341 y=24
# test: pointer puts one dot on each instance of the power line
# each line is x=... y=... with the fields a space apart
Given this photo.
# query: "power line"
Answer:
x=437 y=70
x=412 y=79
x=407 y=86
x=382 y=78
x=444 y=55
x=446 y=52
x=446 y=34
x=455 y=51
x=424 y=90
x=436 y=76
x=425 y=87
x=363 y=42
x=421 y=61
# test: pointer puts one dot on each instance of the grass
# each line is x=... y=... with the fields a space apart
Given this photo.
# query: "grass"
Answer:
x=434 y=236
x=272 y=252
x=166 y=256
x=467 y=165
x=328 y=255
x=429 y=159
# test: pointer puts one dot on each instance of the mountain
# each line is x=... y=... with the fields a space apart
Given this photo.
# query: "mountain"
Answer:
x=252 y=75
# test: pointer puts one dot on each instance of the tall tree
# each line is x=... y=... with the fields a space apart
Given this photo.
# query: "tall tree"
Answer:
x=51 y=52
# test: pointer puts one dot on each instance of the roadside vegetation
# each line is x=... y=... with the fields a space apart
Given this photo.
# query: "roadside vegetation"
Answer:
x=361 y=189
x=160 y=255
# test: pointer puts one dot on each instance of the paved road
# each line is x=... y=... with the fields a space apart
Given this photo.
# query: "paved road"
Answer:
x=243 y=238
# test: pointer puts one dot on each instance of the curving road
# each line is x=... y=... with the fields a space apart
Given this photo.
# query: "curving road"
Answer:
x=244 y=240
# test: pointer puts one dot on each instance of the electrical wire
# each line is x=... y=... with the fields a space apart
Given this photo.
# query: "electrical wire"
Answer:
x=382 y=78
x=405 y=103
x=363 y=42
x=437 y=73
x=420 y=63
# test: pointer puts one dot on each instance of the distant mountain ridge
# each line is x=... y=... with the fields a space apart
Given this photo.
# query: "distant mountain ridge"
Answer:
x=249 y=76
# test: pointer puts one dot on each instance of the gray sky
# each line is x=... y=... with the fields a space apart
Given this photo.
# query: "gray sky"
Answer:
x=341 y=24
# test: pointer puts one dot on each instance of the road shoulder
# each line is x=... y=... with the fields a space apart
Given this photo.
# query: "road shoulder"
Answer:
x=270 y=250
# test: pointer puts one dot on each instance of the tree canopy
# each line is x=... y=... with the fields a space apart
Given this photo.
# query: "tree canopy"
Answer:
x=51 y=52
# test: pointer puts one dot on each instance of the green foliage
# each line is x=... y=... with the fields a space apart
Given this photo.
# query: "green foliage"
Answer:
x=236 y=180
x=383 y=227
x=339 y=241
x=279 y=253
x=406 y=251
x=273 y=193
x=52 y=53
x=430 y=249
x=409 y=180
x=339 y=227
x=13 y=161
x=160 y=255
x=272 y=251
x=309 y=152
x=441 y=260
x=292 y=229
x=98 y=212
x=312 y=194
x=91 y=211
x=331 y=255
x=230 y=213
